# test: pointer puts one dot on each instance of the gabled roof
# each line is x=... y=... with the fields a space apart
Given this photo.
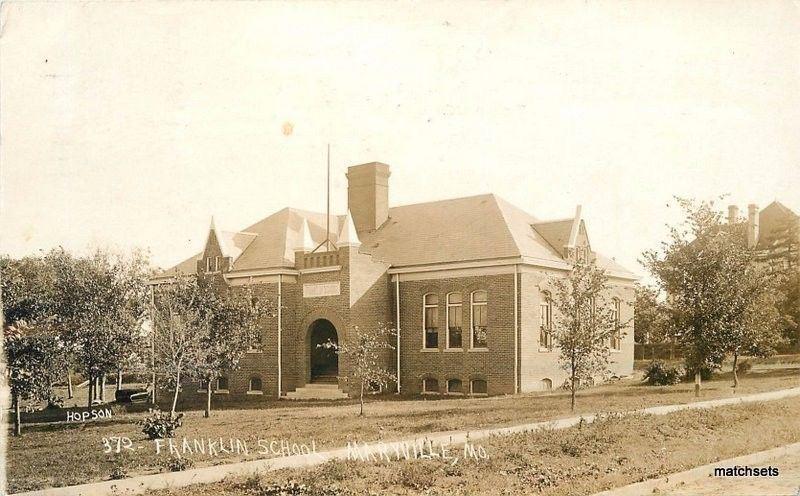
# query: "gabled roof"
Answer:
x=474 y=228
x=773 y=220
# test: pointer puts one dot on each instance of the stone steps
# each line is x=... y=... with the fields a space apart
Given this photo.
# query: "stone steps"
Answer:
x=317 y=392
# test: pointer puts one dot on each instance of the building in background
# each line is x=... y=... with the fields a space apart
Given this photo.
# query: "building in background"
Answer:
x=464 y=281
x=774 y=232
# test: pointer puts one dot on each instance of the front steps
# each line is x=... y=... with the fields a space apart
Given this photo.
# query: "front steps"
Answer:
x=317 y=391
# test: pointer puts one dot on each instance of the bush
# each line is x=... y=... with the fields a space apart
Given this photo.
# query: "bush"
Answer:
x=659 y=373
x=118 y=473
x=159 y=425
x=418 y=476
x=177 y=464
x=744 y=367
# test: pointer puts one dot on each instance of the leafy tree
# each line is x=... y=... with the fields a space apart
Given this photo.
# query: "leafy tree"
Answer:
x=652 y=320
x=99 y=306
x=33 y=358
x=584 y=321
x=789 y=308
x=717 y=303
x=181 y=323
x=362 y=352
x=235 y=321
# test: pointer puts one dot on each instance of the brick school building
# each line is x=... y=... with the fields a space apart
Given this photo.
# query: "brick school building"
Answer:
x=464 y=282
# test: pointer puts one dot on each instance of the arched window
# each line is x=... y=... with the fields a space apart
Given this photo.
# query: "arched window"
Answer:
x=454 y=318
x=547 y=384
x=616 y=337
x=430 y=385
x=255 y=386
x=545 y=321
x=430 y=321
x=222 y=384
x=477 y=386
x=454 y=386
x=479 y=318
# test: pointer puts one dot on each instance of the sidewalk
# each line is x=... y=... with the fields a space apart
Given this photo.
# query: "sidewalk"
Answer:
x=700 y=481
x=140 y=484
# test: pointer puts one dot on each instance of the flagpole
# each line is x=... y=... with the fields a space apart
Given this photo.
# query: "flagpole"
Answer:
x=328 y=212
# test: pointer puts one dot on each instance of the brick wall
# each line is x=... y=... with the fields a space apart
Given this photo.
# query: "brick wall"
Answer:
x=495 y=364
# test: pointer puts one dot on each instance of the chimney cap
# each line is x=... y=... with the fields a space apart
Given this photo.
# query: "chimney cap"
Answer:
x=369 y=168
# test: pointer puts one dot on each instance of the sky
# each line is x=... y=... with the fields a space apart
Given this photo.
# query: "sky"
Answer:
x=128 y=125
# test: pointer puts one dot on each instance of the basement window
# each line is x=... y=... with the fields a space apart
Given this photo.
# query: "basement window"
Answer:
x=454 y=386
x=255 y=386
x=477 y=387
x=430 y=386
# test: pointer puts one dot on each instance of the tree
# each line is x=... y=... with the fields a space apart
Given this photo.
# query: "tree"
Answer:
x=362 y=352
x=32 y=360
x=789 y=308
x=99 y=306
x=235 y=320
x=651 y=324
x=584 y=322
x=180 y=326
x=707 y=272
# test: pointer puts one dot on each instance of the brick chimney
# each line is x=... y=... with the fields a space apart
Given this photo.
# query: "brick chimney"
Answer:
x=752 y=225
x=733 y=214
x=368 y=195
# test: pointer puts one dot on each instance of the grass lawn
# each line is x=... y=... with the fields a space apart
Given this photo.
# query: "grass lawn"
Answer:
x=609 y=453
x=72 y=453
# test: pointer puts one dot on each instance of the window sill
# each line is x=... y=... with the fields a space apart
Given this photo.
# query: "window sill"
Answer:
x=202 y=391
x=612 y=350
x=255 y=352
x=545 y=350
x=478 y=394
x=478 y=350
x=430 y=393
x=255 y=393
x=454 y=394
x=454 y=350
x=221 y=391
x=429 y=350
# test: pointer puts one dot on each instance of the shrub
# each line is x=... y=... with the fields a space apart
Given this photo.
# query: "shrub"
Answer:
x=744 y=367
x=659 y=373
x=418 y=476
x=293 y=488
x=159 y=425
x=178 y=464
x=118 y=473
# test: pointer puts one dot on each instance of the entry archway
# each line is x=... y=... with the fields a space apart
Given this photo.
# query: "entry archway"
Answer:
x=324 y=362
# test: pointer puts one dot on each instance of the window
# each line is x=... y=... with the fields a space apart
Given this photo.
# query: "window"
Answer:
x=547 y=384
x=546 y=321
x=478 y=318
x=255 y=386
x=454 y=320
x=430 y=385
x=430 y=321
x=477 y=386
x=209 y=264
x=454 y=386
x=616 y=337
x=222 y=384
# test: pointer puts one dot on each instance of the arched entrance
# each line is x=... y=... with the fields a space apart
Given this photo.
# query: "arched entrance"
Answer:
x=324 y=364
